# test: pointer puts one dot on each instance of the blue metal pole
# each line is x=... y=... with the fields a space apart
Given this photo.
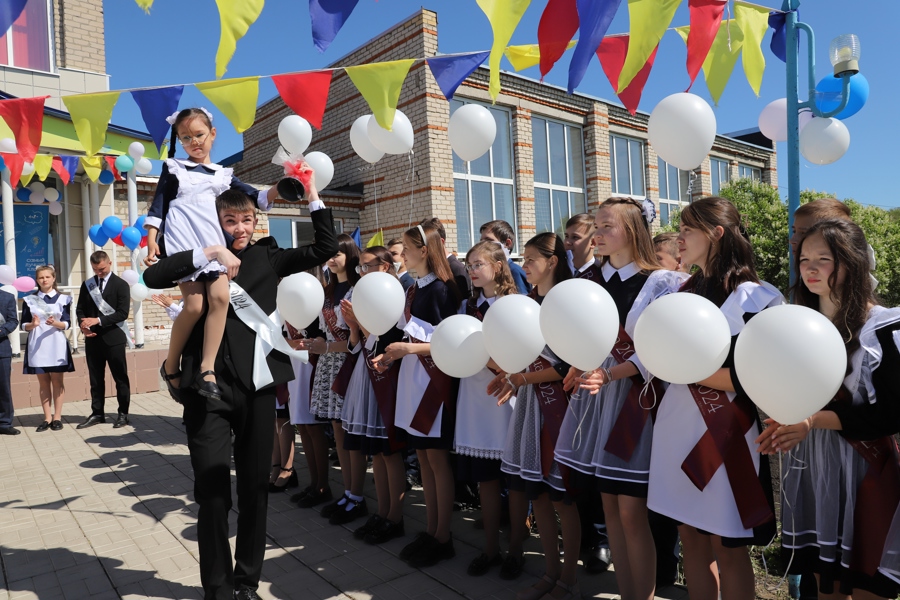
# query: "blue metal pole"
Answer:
x=793 y=124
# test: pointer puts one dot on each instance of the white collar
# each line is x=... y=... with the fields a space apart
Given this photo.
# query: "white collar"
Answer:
x=42 y=295
x=624 y=273
x=588 y=265
x=423 y=281
x=190 y=163
x=482 y=299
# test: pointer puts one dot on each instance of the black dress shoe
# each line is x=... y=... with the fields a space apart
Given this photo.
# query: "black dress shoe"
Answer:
x=301 y=494
x=512 y=567
x=432 y=553
x=246 y=594
x=9 y=431
x=56 y=425
x=335 y=506
x=290 y=482
x=596 y=560
x=121 y=421
x=314 y=498
x=349 y=512
x=385 y=532
x=208 y=389
x=43 y=426
x=481 y=564
x=174 y=392
x=91 y=421
x=371 y=524
x=414 y=546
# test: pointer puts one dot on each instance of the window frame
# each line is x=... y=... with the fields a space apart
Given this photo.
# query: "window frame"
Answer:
x=671 y=203
x=338 y=225
x=727 y=164
x=755 y=172
x=551 y=187
x=51 y=42
x=613 y=162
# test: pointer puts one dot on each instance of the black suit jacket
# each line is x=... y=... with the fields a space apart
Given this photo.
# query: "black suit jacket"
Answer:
x=8 y=310
x=117 y=294
x=461 y=277
x=263 y=264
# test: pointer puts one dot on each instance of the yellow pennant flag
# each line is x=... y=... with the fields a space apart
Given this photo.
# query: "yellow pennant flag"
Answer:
x=24 y=179
x=722 y=57
x=92 y=166
x=145 y=5
x=90 y=116
x=377 y=239
x=236 y=98
x=753 y=22
x=649 y=21
x=43 y=163
x=504 y=17
x=236 y=17
x=529 y=55
x=380 y=85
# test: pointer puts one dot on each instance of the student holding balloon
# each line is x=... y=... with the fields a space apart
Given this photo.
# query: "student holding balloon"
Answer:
x=704 y=470
x=841 y=479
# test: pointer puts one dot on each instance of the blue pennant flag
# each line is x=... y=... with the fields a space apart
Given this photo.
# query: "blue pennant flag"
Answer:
x=594 y=18
x=778 y=45
x=327 y=17
x=356 y=237
x=157 y=104
x=70 y=164
x=451 y=71
x=9 y=12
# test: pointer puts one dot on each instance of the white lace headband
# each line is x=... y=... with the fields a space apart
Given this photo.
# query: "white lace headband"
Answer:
x=171 y=118
x=422 y=231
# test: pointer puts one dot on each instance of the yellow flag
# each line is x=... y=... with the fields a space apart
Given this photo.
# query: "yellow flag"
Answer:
x=529 y=55
x=92 y=166
x=24 y=179
x=377 y=239
x=380 y=85
x=753 y=22
x=42 y=165
x=145 y=5
x=504 y=17
x=90 y=116
x=649 y=21
x=722 y=57
x=236 y=17
x=236 y=98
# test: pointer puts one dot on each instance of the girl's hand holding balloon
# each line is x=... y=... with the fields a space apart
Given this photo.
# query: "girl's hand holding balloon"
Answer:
x=591 y=381
x=503 y=387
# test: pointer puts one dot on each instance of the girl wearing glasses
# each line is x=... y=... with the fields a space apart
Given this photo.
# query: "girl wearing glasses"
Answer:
x=183 y=213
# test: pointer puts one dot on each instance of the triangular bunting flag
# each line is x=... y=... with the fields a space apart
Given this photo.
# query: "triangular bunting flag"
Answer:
x=14 y=163
x=236 y=98
x=594 y=19
x=557 y=27
x=377 y=239
x=706 y=15
x=43 y=163
x=753 y=22
x=25 y=179
x=90 y=116
x=305 y=93
x=778 y=45
x=9 y=12
x=451 y=71
x=649 y=21
x=145 y=5
x=356 y=238
x=25 y=117
x=504 y=17
x=111 y=163
x=380 y=84
x=612 y=53
x=527 y=56
x=61 y=170
x=722 y=57
x=92 y=166
x=236 y=17
x=327 y=17
x=156 y=105
x=70 y=164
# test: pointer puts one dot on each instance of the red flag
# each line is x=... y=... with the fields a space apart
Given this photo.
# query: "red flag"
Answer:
x=111 y=161
x=305 y=93
x=706 y=15
x=612 y=53
x=60 y=169
x=14 y=163
x=25 y=116
x=557 y=27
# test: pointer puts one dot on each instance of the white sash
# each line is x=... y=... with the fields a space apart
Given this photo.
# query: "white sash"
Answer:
x=268 y=334
x=106 y=309
x=38 y=307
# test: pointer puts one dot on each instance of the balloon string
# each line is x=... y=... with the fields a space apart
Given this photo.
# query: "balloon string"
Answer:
x=375 y=193
x=643 y=394
x=690 y=187
x=576 y=437
x=412 y=184
x=787 y=568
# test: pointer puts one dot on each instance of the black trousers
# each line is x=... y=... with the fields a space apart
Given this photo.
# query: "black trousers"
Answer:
x=210 y=423
x=97 y=355
x=6 y=403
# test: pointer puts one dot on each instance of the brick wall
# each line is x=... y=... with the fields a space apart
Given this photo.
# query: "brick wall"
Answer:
x=79 y=32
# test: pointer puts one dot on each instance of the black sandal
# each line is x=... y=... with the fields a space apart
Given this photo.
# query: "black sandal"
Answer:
x=208 y=389
x=174 y=392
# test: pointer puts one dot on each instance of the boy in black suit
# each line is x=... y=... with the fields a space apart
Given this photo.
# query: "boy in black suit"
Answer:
x=247 y=407
x=10 y=324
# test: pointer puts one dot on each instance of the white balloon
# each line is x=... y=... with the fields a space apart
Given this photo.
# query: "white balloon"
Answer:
x=51 y=194
x=37 y=189
x=142 y=254
x=580 y=323
x=359 y=139
x=472 y=131
x=682 y=129
x=55 y=208
x=378 y=302
x=130 y=276
x=136 y=150
x=299 y=299
x=791 y=361
x=143 y=165
x=823 y=141
x=139 y=292
x=9 y=289
x=682 y=338
x=512 y=332
x=323 y=167
x=804 y=118
x=457 y=346
x=27 y=168
x=36 y=198
x=295 y=134
x=7 y=275
x=8 y=145
x=399 y=140
x=773 y=120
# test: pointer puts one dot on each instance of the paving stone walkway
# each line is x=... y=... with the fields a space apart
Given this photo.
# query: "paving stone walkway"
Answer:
x=105 y=513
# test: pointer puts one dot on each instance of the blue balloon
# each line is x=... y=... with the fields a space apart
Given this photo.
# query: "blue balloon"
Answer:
x=97 y=236
x=112 y=226
x=107 y=177
x=131 y=237
x=2 y=163
x=828 y=95
x=23 y=194
x=139 y=225
x=124 y=163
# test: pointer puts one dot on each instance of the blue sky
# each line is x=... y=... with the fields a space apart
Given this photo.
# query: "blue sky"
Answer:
x=177 y=43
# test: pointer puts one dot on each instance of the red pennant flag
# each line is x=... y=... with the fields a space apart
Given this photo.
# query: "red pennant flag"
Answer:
x=706 y=15
x=111 y=161
x=61 y=170
x=557 y=27
x=14 y=163
x=25 y=116
x=305 y=93
x=612 y=53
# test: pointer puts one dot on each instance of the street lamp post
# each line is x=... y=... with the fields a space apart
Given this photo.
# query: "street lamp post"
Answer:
x=844 y=54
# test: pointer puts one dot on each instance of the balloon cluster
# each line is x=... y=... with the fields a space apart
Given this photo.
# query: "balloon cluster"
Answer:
x=295 y=135
x=37 y=193
x=139 y=291
x=135 y=159
x=12 y=284
x=112 y=228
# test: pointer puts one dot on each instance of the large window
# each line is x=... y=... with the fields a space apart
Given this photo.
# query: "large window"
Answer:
x=673 y=190
x=626 y=163
x=484 y=188
x=748 y=172
x=558 y=173
x=720 y=174
x=27 y=44
x=294 y=232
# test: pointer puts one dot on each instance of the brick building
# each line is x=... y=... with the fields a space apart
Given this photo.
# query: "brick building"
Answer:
x=555 y=154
